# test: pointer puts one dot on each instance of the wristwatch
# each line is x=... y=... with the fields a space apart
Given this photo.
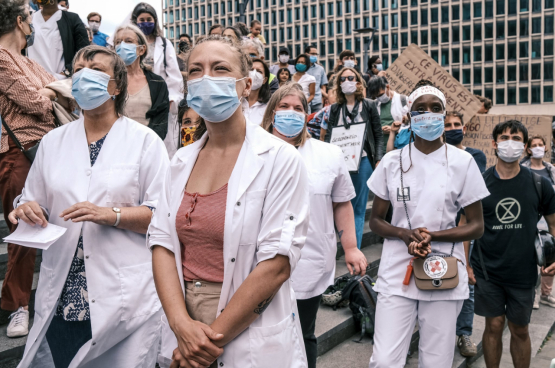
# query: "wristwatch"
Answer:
x=118 y=215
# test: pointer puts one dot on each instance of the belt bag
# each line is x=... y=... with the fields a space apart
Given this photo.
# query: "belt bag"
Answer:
x=426 y=270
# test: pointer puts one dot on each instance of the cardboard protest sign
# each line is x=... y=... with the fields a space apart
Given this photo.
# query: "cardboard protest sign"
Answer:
x=479 y=132
x=351 y=142
x=414 y=64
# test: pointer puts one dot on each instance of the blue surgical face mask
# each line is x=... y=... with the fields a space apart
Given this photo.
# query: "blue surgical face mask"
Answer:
x=289 y=123
x=301 y=67
x=90 y=88
x=213 y=98
x=127 y=52
x=428 y=126
x=379 y=67
x=313 y=59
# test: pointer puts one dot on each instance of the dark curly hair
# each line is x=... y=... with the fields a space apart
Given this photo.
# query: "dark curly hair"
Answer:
x=9 y=11
x=120 y=71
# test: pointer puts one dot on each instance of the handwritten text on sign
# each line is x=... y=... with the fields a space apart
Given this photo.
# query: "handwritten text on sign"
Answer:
x=479 y=132
x=414 y=64
x=351 y=142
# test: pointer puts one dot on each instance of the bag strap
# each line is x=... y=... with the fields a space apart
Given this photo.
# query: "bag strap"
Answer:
x=538 y=185
x=165 y=62
x=12 y=135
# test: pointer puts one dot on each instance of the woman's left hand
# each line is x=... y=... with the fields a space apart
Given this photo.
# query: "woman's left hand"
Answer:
x=356 y=261
x=86 y=211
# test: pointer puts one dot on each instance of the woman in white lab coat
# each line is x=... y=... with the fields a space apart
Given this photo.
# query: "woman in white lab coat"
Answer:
x=100 y=178
x=331 y=191
x=162 y=58
x=434 y=181
x=229 y=298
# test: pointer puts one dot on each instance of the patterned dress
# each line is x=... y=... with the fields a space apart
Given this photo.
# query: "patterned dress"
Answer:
x=74 y=301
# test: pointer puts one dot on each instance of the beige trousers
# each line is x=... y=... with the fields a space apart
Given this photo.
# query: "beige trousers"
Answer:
x=201 y=299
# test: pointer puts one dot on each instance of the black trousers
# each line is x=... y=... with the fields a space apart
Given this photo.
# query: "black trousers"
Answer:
x=308 y=308
x=66 y=338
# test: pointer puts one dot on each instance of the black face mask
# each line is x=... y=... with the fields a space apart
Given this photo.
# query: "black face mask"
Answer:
x=183 y=46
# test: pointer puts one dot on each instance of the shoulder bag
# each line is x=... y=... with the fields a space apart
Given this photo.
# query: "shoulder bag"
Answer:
x=438 y=271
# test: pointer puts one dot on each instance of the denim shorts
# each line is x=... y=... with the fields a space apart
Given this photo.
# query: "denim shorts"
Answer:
x=494 y=300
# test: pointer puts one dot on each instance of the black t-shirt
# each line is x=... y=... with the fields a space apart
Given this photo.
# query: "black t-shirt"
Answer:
x=479 y=157
x=510 y=223
x=543 y=172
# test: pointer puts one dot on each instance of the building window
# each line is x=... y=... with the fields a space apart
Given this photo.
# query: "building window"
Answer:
x=455 y=34
x=357 y=6
x=536 y=71
x=511 y=51
x=394 y=41
x=445 y=14
x=523 y=95
x=331 y=48
x=466 y=76
x=548 y=70
x=322 y=11
x=477 y=10
x=289 y=16
x=414 y=37
x=435 y=37
x=357 y=44
x=385 y=42
x=281 y=35
x=434 y=15
x=511 y=96
x=348 y=28
x=413 y=17
x=455 y=13
x=466 y=33
x=339 y=8
x=499 y=96
x=549 y=4
x=435 y=55
x=477 y=53
x=489 y=9
x=313 y=11
x=548 y=47
x=500 y=73
x=488 y=30
x=281 y=16
x=488 y=53
x=466 y=11
x=500 y=6
x=404 y=39
x=488 y=75
x=274 y=35
x=523 y=72
x=375 y=5
x=477 y=31
x=404 y=20
x=523 y=49
x=524 y=5
x=444 y=57
x=330 y=29
x=424 y=37
x=444 y=35
x=322 y=29
x=330 y=9
x=466 y=55
x=394 y=20
x=339 y=27
x=500 y=29
x=511 y=73
x=297 y=14
x=347 y=6
x=512 y=7
x=305 y=31
x=478 y=75
x=322 y=48
x=536 y=25
x=297 y=34
x=536 y=49
x=455 y=55
x=456 y=74
x=385 y=22
x=313 y=31
x=548 y=24
x=424 y=17
x=547 y=93
x=511 y=25
x=524 y=27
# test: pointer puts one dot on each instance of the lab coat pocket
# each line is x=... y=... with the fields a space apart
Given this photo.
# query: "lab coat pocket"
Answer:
x=138 y=294
x=122 y=185
x=273 y=346
x=44 y=297
x=409 y=192
x=321 y=181
x=252 y=215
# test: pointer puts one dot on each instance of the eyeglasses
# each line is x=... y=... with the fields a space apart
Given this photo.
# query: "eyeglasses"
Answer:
x=350 y=78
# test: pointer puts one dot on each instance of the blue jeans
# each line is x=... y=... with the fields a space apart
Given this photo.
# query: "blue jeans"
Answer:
x=465 y=321
x=362 y=191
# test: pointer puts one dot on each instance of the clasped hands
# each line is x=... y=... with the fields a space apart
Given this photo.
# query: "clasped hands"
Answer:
x=196 y=345
x=417 y=241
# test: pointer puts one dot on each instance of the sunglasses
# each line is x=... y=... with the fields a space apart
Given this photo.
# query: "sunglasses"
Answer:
x=350 y=78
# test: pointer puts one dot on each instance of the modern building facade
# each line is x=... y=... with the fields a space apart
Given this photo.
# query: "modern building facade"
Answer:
x=502 y=49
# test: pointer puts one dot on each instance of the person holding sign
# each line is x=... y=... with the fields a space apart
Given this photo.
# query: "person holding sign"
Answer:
x=348 y=115
x=331 y=191
x=427 y=183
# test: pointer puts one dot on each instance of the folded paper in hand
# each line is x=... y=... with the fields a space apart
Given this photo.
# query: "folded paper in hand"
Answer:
x=35 y=236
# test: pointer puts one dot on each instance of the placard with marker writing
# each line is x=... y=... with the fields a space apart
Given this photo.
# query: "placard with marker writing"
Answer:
x=479 y=132
x=351 y=142
x=414 y=64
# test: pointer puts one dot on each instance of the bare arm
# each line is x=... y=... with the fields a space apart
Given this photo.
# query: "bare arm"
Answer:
x=312 y=91
x=391 y=142
x=472 y=229
x=252 y=298
x=323 y=134
x=466 y=244
x=324 y=92
x=344 y=217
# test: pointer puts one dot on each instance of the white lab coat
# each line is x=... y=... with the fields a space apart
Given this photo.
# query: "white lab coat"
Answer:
x=128 y=172
x=330 y=183
x=266 y=215
x=174 y=80
x=439 y=185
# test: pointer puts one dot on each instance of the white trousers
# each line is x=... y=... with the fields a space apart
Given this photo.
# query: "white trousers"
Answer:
x=395 y=321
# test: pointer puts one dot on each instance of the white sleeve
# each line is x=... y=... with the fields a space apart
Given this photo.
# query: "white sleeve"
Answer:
x=159 y=229
x=343 y=189
x=174 y=78
x=474 y=187
x=284 y=221
x=35 y=186
x=154 y=165
x=378 y=181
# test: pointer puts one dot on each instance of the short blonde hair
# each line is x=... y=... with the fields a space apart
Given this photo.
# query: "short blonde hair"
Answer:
x=288 y=89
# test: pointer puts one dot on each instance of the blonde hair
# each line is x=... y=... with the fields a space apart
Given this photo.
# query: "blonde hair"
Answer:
x=359 y=95
x=288 y=89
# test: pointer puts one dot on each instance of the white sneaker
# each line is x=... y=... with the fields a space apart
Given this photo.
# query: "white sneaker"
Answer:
x=19 y=323
x=536 y=301
x=548 y=300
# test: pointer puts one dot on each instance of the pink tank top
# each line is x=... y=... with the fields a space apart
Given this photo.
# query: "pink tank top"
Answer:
x=200 y=229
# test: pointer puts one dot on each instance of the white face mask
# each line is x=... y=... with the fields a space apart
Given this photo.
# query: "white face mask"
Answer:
x=510 y=151
x=257 y=79
x=349 y=63
x=284 y=59
x=538 y=152
x=383 y=99
x=349 y=87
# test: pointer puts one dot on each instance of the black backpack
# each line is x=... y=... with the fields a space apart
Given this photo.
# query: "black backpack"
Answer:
x=362 y=302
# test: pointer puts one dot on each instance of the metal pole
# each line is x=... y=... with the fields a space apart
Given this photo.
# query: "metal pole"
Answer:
x=366 y=49
x=242 y=9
